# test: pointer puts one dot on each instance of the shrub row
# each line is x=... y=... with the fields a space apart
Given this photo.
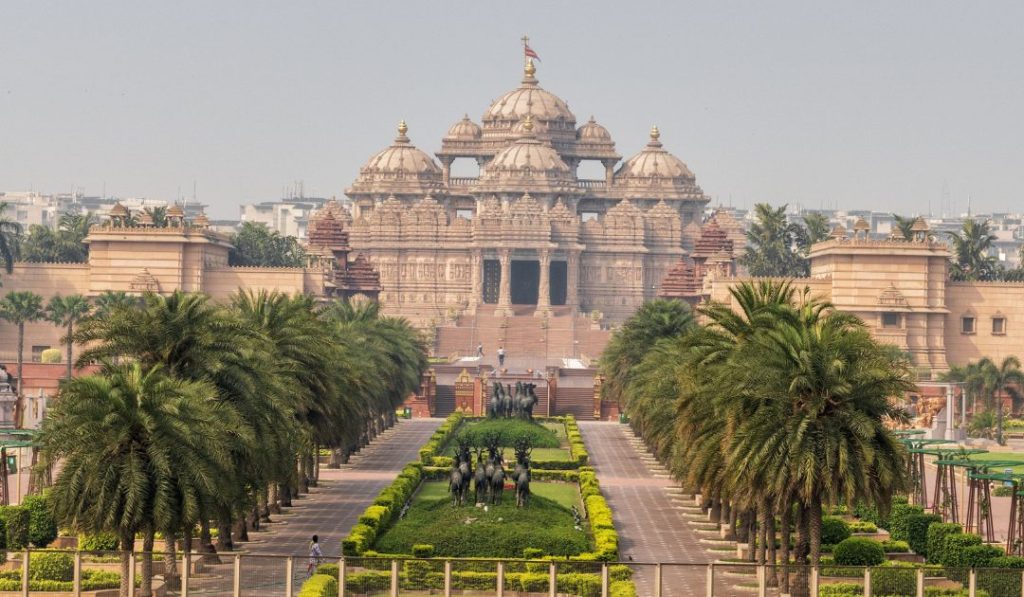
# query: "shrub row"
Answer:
x=440 y=437
x=849 y=589
x=577 y=449
x=414 y=577
x=92 y=580
x=16 y=522
x=320 y=585
x=385 y=509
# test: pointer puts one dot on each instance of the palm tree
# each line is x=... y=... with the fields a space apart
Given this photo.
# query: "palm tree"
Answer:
x=815 y=229
x=66 y=311
x=164 y=451
x=112 y=300
x=159 y=215
x=773 y=244
x=971 y=259
x=20 y=308
x=652 y=322
x=10 y=235
x=904 y=226
x=1004 y=378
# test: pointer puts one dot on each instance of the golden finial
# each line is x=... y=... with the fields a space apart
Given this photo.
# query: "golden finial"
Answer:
x=402 y=128
x=528 y=123
x=655 y=133
x=529 y=69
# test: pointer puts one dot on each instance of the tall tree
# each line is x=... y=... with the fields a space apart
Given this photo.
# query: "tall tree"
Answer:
x=1002 y=378
x=971 y=246
x=65 y=244
x=816 y=229
x=904 y=225
x=773 y=244
x=10 y=235
x=20 y=308
x=66 y=311
x=256 y=245
x=164 y=454
x=159 y=215
x=109 y=301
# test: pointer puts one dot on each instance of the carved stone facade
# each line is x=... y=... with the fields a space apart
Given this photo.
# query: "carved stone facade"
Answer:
x=527 y=229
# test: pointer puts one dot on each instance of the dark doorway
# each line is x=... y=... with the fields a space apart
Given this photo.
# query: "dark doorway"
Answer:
x=525 y=282
x=492 y=280
x=559 y=280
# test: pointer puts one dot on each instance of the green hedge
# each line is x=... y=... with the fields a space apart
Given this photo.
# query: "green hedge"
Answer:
x=440 y=437
x=384 y=510
x=599 y=513
x=917 y=531
x=320 y=585
x=937 y=533
x=898 y=519
x=42 y=527
x=858 y=551
x=834 y=530
x=1004 y=576
x=17 y=520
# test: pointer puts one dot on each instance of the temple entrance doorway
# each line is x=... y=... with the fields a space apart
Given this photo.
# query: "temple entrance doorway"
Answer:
x=525 y=282
x=492 y=281
x=559 y=282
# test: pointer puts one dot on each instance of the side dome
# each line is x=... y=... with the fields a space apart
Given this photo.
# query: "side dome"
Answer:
x=529 y=99
x=400 y=168
x=464 y=130
x=655 y=173
x=591 y=132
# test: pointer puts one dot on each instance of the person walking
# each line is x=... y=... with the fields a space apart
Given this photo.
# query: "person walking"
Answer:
x=315 y=556
x=501 y=356
x=480 y=349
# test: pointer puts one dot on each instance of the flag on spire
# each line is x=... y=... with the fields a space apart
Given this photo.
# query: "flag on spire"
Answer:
x=528 y=51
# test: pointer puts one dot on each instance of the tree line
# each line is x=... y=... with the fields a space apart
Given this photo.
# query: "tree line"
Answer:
x=772 y=409
x=206 y=415
x=252 y=245
x=779 y=248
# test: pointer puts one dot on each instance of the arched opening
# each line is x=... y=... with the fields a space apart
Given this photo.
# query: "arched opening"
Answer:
x=590 y=170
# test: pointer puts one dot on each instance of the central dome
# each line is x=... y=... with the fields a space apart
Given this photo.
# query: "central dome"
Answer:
x=529 y=99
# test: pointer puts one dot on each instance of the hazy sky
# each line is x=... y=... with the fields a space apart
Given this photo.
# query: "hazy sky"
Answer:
x=858 y=104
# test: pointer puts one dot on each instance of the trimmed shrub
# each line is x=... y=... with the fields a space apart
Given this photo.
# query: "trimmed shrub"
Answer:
x=834 y=530
x=980 y=556
x=858 y=551
x=937 y=533
x=1002 y=578
x=50 y=356
x=898 y=519
x=532 y=553
x=893 y=580
x=320 y=585
x=17 y=520
x=51 y=566
x=373 y=516
x=862 y=526
x=423 y=550
x=98 y=542
x=953 y=558
x=622 y=588
x=917 y=531
x=599 y=513
x=42 y=527
x=893 y=546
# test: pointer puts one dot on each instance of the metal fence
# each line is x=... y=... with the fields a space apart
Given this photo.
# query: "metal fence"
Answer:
x=243 y=575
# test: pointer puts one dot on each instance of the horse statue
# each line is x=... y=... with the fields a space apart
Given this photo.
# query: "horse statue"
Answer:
x=481 y=481
x=457 y=485
x=507 y=402
x=497 y=482
x=523 y=487
x=527 y=401
x=497 y=395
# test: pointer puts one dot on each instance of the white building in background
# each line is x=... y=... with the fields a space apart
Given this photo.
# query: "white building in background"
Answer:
x=30 y=208
x=288 y=217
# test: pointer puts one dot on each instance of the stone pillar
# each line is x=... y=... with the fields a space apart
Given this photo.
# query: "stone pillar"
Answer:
x=572 y=282
x=446 y=170
x=544 y=288
x=476 y=281
x=609 y=173
x=505 y=288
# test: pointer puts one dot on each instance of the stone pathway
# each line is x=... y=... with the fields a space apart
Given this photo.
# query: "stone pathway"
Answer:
x=329 y=510
x=651 y=514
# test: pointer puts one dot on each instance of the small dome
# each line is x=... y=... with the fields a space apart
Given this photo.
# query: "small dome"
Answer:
x=919 y=225
x=527 y=156
x=653 y=163
x=591 y=132
x=861 y=225
x=175 y=211
x=464 y=130
x=201 y=221
x=145 y=219
x=118 y=211
x=400 y=160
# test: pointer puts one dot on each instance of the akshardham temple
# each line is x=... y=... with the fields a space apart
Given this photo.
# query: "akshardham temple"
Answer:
x=528 y=230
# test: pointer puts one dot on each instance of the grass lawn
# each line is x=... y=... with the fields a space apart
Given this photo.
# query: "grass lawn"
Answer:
x=557 y=450
x=1005 y=456
x=501 y=531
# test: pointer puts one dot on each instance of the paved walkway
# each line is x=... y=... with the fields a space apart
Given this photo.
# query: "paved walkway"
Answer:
x=648 y=519
x=329 y=510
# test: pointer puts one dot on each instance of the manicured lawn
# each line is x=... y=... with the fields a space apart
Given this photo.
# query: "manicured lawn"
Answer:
x=501 y=531
x=555 y=445
x=994 y=456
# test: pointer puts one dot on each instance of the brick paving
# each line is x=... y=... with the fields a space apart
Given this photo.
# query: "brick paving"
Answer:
x=650 y=525
x=329 y=510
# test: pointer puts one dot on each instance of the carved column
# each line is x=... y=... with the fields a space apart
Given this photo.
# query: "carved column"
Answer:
x=505 y=288
x=476 y=283
x=572 y=292
x=446 y=170
x=544 y=288
x=609 y=173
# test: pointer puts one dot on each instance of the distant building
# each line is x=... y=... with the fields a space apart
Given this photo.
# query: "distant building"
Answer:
x=289 y=217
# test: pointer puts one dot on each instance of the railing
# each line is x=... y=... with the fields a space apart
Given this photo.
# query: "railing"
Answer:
x=591 y=184
x=462 y=181
x=246 y=575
